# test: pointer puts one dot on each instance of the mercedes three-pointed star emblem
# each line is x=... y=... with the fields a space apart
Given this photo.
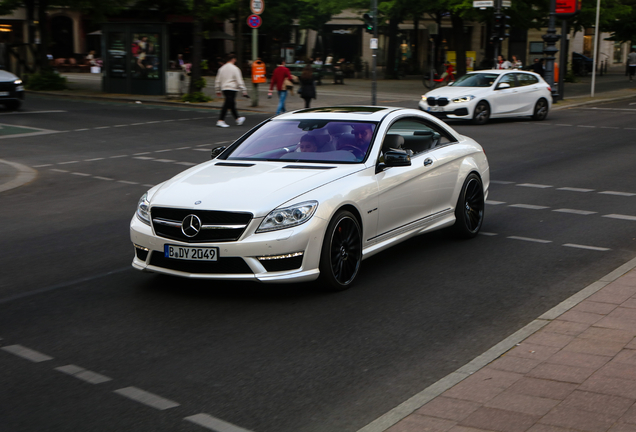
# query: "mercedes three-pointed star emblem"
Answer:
x=191 y=225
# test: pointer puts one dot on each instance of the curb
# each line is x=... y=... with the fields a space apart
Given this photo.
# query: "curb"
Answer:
x=25 y=175
x=614 y=99
x=140 y=99
x=415 y=402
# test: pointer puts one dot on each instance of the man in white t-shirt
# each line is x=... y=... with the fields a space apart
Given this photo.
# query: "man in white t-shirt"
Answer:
x=229 y=80
x=631 y=62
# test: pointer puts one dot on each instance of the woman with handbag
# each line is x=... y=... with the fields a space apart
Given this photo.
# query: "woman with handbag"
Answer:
x=307 y=89
x=280 y=75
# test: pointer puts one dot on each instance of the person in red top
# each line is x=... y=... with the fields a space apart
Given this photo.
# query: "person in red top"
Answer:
x=280 y=73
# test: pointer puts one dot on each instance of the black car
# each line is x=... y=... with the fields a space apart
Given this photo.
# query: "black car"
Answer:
x=11 y=90
x=581 y=64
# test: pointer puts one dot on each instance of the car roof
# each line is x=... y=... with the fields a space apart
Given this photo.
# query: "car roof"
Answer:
x=503 y=71
x=344 y=112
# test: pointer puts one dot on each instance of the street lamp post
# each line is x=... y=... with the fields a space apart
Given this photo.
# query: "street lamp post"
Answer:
x=551 y=38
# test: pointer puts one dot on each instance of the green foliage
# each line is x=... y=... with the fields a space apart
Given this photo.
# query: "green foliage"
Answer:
x=45 y=80
x=570 y=77
x=195 y=97
x=204 y=65
x=200 y=83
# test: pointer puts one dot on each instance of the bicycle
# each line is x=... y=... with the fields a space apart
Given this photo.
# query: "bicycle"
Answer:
x=447 y=77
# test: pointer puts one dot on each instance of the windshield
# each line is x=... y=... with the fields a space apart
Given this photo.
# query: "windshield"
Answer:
x=307 y=141
x=476 y=80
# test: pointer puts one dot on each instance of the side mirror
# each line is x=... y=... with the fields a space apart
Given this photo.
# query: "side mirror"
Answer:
x=451 y=83
x=397 y=158
x=217 y=151
x=502 y=86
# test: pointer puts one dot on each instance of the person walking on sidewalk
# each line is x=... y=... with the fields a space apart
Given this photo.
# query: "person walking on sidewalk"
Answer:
x=278 y=78
x=631 y=62
x=307 y=89
x=229 y=80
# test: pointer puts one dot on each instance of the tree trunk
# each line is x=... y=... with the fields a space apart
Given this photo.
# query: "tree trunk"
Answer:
x=197 y=47
x=42 y=61
x=391 y=63
x=460 y=44
x=238 y=34
x=415 y=54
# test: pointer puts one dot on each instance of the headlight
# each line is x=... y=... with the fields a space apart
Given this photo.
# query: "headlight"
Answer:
x=423 y=97
x=17 y=82
x=288 y=217
x=464 y=98
x=143 y=211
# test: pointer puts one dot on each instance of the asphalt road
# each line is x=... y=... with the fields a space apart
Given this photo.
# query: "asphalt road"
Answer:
x=269 y=358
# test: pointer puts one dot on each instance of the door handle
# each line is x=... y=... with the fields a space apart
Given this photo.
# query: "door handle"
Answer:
x=428 y=161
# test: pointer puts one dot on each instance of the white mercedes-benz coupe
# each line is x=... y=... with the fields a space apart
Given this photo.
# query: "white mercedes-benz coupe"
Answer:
x=482 y=95
x=311 y=194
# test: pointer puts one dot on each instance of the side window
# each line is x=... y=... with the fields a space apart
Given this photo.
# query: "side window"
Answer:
x=526 y=79
x=419 y=136
x=510 y=79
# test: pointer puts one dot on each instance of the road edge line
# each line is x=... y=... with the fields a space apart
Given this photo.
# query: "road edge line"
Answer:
x=415 y=402
x=25 y=175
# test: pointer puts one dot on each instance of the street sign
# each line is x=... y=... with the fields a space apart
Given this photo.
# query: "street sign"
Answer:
x=257 y=6
x=567 y=7
x=506 y=3
x=483 y=3
x=254 y=21
x=258 y=72
x=374 y=43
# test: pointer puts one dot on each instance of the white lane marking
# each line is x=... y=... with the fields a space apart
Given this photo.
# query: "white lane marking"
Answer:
x=629 y=128
x=143 y=158
x=562 y=124
x=183 y=148
x=617 y=193
x=164 y=160
x=137 y=124
x=533 y=185
x=33 y=112
x=490 y=202
x=118 y=156
x=66 y=163
x=94 y=159
x=146 y=398
x=619 y=216
x=223 y=142
x=580 y=212
x=594 y=248
x=609 y=109
x=83 y=374
x=213 y=423
x=202 y=149
x=163 y=151
x=571 y=189
x=120 y=125
x=528 y=206
x=26 y=353
x=530 y=239
x=489 y=234
x=81 y=174
x=148 y=185
x=585 y=126
x=142 y=153
x=102 y=127
x=59 y=170
x=103 y=178
x=151 y=122
x=42 y=166
x=491 y=181
x=80 y=130
x=185 y=163
x=609 y=127
x=165 y=121
x=127 y=182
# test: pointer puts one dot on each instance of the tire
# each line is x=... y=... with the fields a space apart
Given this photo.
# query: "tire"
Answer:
x=540 y=110
x=481 y=113
x=469 y=212
x=341 y=252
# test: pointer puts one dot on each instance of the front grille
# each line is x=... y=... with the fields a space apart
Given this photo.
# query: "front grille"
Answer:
x=7 y=86
x=208 y=217
x=224 y=265
x=431 y=101
x=282 y=264
x=442 y=101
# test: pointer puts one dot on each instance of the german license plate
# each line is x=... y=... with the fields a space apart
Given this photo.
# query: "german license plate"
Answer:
x=191 y=253
x=4 y=93
x=435 y=109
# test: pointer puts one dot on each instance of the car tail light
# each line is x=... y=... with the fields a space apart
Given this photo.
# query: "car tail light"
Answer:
x=549 y=88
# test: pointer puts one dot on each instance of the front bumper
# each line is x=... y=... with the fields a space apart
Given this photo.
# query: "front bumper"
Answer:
x=451 y=111
x=238 y=260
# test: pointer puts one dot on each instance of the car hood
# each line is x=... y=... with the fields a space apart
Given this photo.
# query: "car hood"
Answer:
x=258 y=188
x=7 y=76
x=452 y=92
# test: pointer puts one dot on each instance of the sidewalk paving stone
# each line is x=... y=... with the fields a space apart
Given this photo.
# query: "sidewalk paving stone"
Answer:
x=532 y=405
x=598 y=403
x=570 y=358
x=579 y=419
x=560 y=372
x=448 y=408
x=500 y=420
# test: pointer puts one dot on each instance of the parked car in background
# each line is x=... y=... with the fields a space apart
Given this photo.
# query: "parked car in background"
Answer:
x=11 y=90
x=482 y=95
x=311 y=194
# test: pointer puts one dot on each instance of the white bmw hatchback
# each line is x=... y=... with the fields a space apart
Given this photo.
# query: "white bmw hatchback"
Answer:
x=482 y=95
x=311 y=194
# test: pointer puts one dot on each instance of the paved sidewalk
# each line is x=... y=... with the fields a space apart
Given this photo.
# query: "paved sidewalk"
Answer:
x=576 y=373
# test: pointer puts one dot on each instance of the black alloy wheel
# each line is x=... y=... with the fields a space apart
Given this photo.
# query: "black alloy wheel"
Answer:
x=469 y=212
x=482 y=113
x=341 y=252
x=540 y=110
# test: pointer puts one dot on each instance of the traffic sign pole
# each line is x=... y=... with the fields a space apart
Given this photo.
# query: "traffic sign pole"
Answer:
x=254 y=58
x=254 y=21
